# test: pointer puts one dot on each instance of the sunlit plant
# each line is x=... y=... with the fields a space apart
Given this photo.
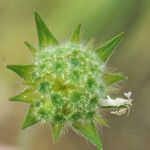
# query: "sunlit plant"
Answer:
x=69 y=84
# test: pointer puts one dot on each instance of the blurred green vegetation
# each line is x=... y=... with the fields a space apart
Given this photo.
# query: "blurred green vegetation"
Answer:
x=100 y=19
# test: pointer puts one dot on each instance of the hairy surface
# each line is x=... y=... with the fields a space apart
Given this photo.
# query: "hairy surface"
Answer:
x=68 y=84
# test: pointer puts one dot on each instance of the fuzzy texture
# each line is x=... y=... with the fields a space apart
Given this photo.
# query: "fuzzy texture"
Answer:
x=66 y=84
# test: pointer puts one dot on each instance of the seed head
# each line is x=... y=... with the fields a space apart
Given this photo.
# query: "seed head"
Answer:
x=68 y=83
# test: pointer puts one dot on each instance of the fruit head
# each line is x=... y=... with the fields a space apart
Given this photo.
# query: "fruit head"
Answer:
x=66 y=83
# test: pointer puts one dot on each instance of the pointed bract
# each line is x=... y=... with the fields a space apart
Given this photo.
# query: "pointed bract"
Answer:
x=100 y=121
x=76 y=35
x=31 y=48
x=106 y=50
x=30 y=119
x=90 y=44
x=89 y=132
x=26 y=96
x=24 y=71
x=111 y=78
x=56 y=130
x=45 y=37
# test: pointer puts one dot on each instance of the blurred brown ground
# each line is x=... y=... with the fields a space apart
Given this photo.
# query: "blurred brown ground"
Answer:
x=101 y=19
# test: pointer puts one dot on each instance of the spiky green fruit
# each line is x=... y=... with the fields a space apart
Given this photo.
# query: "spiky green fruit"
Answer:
x=66 y=83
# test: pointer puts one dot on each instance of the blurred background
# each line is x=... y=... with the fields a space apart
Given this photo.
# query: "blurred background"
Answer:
x=101 y=19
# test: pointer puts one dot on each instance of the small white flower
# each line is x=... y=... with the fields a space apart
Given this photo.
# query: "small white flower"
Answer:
x=117 y=102
x=109 y=102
